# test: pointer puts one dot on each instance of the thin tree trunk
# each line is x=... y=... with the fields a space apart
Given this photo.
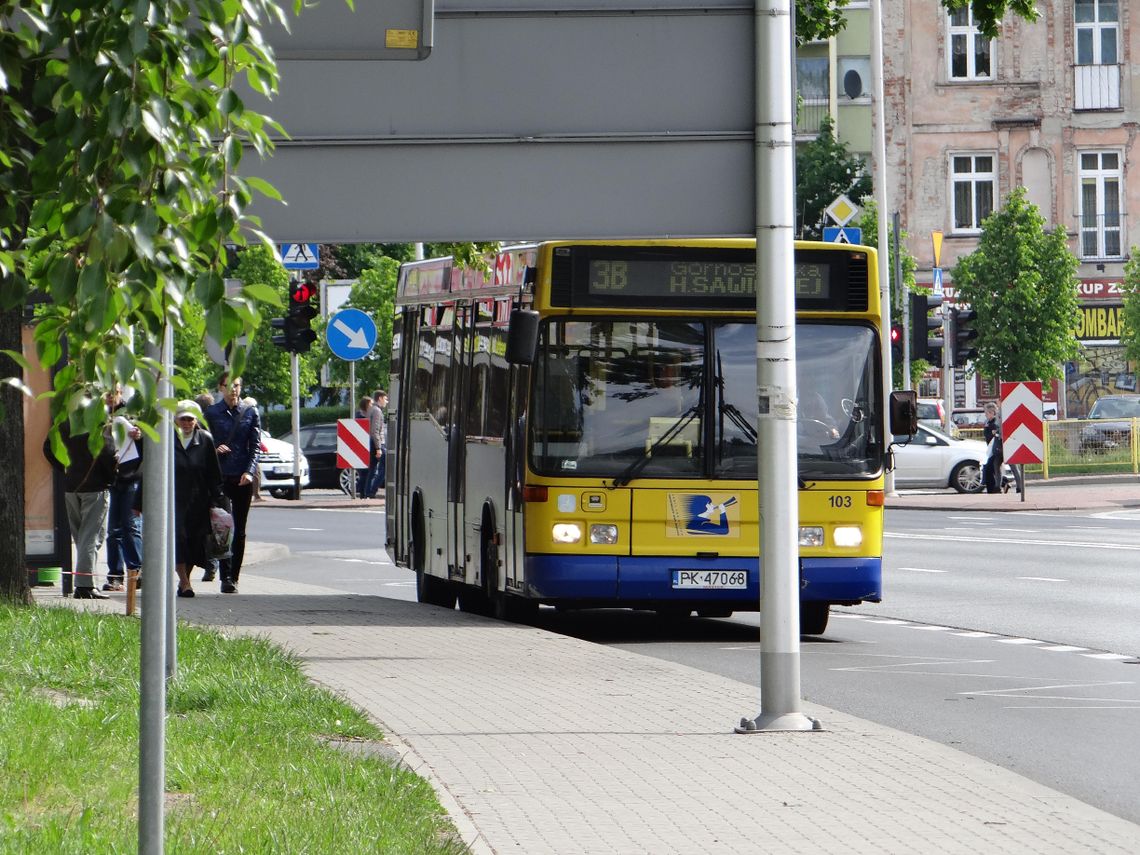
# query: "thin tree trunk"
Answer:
x=13 y=571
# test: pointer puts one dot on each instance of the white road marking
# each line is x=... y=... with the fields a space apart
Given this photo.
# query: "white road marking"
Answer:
x=297 y=528
x=1019 y=641
x=976 y=634
x=928 y=628
x=921 y=570
x=889 y=621
x=1020 y=530
x=1107 y=656
x=1040 y=579
x=1063 y=648
x=1021 y=542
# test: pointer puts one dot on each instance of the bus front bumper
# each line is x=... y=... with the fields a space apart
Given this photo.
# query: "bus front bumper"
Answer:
x=634 y=582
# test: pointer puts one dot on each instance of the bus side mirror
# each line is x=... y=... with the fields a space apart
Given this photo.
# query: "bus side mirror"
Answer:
x=522 y=337
x=904 y=413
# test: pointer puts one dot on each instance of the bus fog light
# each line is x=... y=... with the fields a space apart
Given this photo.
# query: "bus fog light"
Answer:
x=811 y=535
x=602 y=533
x=848 y=535
x=566 y=533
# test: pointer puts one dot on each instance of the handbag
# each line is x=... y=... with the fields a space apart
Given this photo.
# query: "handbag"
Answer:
x=220 y=537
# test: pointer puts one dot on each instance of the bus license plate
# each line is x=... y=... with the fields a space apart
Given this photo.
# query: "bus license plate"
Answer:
x=710 y=579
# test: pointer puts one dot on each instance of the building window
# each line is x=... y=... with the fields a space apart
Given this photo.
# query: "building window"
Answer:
x=1097 y=24
x=970 y=54
x=854 y=75
x=973 y=188
x=1101 y=181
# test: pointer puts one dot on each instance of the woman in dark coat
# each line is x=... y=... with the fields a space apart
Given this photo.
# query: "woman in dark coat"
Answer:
x=197 y=485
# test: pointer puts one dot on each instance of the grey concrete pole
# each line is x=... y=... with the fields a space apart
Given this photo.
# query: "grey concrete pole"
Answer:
x=157 y=559
x=880 y=174
x=776 y=377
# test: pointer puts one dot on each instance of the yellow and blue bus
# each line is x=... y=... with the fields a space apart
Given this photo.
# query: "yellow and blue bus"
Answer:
x=575 y=425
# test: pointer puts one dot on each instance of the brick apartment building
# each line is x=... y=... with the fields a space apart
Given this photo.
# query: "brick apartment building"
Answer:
x=1052 y=105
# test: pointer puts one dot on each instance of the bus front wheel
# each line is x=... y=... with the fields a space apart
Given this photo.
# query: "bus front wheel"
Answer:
x=430 y=590
x=813 y=618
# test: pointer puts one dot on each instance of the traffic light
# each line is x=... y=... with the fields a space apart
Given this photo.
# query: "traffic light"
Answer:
x=922 y=324
x=962 y=335
x=296 y=334
x=896 y=344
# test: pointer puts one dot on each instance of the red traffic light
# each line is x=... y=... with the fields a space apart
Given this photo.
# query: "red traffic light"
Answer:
x=301 y=292
x=896 y=333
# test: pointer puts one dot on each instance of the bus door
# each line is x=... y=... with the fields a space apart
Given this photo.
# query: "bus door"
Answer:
x=514 y=553
x=457 y=441
x=428 y=426
x=396 y=473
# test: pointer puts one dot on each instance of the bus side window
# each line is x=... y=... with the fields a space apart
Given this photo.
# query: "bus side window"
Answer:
x=425 y=367
x=498 y=378
x=438 y=403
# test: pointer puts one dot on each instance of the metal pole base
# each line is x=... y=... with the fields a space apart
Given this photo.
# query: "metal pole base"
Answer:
x=782 y=723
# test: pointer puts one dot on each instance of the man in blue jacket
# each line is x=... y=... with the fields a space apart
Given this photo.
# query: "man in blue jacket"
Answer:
x=237 y=435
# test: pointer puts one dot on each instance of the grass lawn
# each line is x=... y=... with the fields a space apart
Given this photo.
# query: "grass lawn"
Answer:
x=249 y=767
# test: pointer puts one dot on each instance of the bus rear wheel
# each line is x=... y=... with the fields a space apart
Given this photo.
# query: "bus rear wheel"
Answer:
x=813 y=618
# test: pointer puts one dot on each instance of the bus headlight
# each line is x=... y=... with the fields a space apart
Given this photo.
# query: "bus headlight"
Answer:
x=811 y=535
x=603 y=533
x=848 y=535
x=566 y=532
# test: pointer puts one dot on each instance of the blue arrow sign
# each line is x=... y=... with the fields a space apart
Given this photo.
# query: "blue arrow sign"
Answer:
x=850 y=235
x=351 y=334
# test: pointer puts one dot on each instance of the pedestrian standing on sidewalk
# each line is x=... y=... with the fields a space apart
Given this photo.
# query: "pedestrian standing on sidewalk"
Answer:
x=378 y=434
x=124 y=515
x=237 y=433
x=992 y=469
x=210 y=565
x=197 y=485
x=86 y=493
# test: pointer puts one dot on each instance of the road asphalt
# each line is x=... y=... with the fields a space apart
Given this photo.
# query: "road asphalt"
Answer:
x=539 y=743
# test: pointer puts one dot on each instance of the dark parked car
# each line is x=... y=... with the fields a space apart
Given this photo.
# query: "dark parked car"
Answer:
x=1112 y=423
x=318 y=444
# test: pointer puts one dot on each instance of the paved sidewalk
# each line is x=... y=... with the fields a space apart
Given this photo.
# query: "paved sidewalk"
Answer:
x=539 y=743
x=1118 y=492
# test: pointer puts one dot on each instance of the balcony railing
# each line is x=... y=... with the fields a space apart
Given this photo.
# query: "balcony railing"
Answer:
x=1096 y=87
x=1101 y=236
x=809 y=118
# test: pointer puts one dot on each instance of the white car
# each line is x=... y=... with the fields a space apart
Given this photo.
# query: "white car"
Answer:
x=932 y=459
x=275 y=460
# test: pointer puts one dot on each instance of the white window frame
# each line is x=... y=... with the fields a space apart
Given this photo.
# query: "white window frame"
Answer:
x=973 y=178
x=968 y=31
x=1105 y=229
x=1097 y=27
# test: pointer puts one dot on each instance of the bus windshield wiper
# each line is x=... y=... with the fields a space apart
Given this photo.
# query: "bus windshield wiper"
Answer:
x=674 y=430
x=737 y=418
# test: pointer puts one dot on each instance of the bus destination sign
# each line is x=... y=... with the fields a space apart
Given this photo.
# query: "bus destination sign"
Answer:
x=659 y=278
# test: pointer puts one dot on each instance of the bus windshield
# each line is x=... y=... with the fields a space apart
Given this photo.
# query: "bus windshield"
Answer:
x=617 y=396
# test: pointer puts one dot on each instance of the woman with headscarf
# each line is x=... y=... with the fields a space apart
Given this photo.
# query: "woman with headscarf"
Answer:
x=197 y=485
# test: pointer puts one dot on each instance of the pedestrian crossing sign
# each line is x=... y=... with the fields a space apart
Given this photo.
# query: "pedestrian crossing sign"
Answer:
x=300 y=256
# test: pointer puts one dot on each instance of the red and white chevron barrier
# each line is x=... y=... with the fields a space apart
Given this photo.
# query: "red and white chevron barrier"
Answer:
x=352 y=443
x=1022 y=428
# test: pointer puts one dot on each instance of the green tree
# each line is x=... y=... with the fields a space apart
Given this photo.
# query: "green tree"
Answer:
x=1130 y=334
x=824 y=170
x=1021 y=281
x=120 y=139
